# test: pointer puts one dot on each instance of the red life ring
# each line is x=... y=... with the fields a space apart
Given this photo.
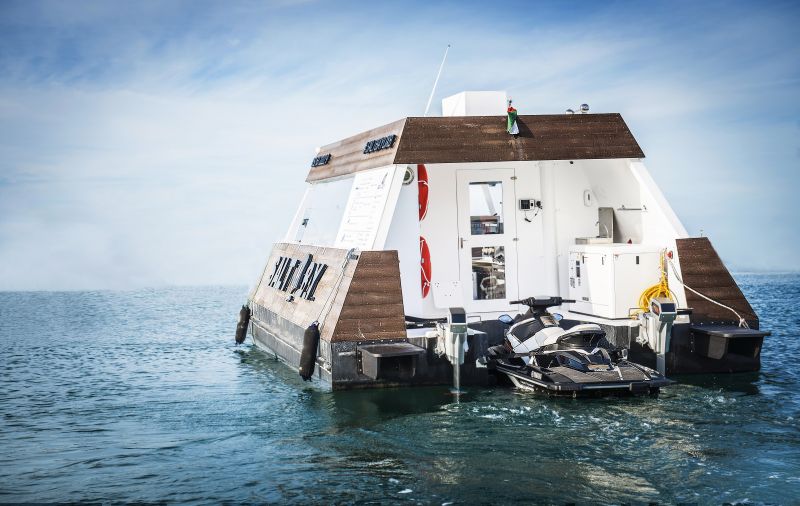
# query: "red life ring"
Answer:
x=424 y=266
x=422 y=185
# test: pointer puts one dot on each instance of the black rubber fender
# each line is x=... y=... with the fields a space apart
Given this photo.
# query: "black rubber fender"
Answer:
x=308 y=357
x=244 y=321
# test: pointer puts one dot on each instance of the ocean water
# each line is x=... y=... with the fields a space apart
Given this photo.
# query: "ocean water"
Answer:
x=142 y=396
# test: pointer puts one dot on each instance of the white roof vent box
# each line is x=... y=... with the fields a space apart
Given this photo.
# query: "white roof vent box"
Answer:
x=475 y=103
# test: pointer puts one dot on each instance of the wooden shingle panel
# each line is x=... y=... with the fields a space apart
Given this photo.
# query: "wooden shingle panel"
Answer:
x=370 y=311
x=374 y=298
x=373 y=305
x=464 y=139
x=703 y=270
x=361 y=329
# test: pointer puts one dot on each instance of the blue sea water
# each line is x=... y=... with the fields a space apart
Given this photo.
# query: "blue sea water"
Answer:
x=142 y=396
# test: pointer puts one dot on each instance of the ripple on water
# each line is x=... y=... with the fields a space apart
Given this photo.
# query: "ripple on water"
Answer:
x=141 y=396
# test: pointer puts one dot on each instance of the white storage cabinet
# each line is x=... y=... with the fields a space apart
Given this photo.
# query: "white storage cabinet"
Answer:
x=606 y=280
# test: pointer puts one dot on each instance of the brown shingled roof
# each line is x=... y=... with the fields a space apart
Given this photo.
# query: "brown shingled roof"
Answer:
x=460 y=139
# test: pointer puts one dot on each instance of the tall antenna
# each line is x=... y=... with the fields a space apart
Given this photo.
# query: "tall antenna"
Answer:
x=436 y=82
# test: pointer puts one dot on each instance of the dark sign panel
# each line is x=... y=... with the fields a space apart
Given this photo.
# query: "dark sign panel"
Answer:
x=289 y=276
x=379 y=144
x=321 y=160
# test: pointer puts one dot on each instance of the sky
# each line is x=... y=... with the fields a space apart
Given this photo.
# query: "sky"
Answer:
x=167 y=143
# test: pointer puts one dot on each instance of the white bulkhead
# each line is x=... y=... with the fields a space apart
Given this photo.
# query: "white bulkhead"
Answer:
x=475 y=103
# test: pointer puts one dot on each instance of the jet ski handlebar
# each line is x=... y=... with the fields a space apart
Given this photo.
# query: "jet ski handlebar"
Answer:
x=542 y=302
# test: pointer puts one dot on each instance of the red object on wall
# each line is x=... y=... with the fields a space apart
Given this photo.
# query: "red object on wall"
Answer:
x=424 y=252
x=424 y=266
x=422 y=184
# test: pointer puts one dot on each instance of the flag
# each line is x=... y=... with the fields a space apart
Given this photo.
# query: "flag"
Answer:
x=512 y=127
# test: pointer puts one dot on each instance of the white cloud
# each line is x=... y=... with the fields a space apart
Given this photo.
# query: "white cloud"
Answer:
x=157 y=158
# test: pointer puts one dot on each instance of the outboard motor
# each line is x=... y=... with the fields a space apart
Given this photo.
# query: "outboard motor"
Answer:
x=455 y=337
x=244 y=321
x=656 y=327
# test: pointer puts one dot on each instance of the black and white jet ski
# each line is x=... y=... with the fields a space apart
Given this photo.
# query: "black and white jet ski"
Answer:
x=567 y=358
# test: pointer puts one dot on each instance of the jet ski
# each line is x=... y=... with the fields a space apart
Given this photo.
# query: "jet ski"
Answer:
x=571 y=358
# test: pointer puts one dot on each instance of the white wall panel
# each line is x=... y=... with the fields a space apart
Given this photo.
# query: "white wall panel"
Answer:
x=403 y=236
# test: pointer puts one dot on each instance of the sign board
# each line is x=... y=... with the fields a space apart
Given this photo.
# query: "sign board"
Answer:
x=379 y=144
x=297 y=277
x=321 y=160
x=365 y=206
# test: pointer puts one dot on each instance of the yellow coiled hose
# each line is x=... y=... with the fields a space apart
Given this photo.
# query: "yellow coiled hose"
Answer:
x=658 y=290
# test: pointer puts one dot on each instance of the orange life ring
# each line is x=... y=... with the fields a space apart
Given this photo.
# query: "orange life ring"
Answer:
x=424 y=266
x=422 y=185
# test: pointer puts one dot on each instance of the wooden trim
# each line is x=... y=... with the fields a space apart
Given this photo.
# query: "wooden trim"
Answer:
x=463 y=139
x=703 y=270
x=373 y=308
x=347 y=155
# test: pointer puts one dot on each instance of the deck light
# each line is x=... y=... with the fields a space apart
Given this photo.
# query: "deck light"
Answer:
x=584 y=108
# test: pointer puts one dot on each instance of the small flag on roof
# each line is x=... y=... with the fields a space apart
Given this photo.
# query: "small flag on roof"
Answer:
x=512 y=127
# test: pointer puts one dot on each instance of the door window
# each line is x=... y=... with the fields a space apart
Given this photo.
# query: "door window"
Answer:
x=486 y=207
x=488 y=273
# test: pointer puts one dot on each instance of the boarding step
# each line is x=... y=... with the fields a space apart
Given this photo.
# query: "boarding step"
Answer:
x=389 y=361
x=717 y=341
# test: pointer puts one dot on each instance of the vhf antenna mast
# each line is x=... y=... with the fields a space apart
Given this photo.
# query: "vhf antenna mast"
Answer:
x=436 y=82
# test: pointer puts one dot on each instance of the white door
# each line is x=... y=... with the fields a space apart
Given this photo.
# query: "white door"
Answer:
x=487 y=239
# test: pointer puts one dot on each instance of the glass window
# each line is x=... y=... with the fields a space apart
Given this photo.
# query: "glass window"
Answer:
x=488 y=273
x=486 y=207
x=325 y=204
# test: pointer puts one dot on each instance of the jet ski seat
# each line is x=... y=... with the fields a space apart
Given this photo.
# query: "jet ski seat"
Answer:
x=549 y=336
